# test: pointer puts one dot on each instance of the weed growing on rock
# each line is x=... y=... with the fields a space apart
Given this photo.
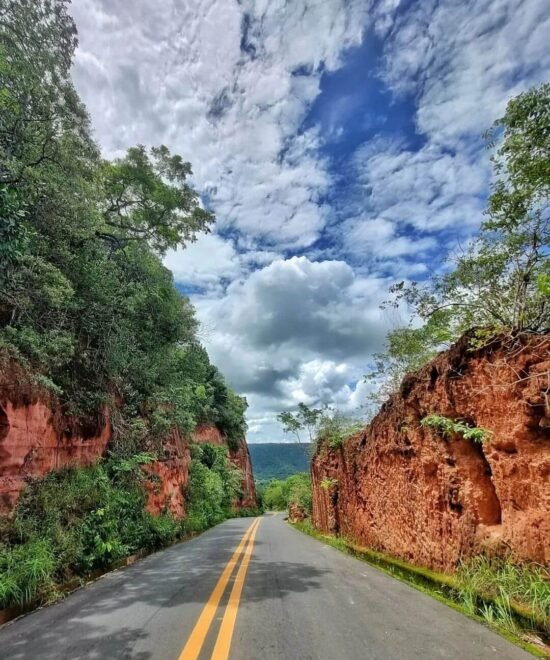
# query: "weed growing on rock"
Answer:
x=448 y=427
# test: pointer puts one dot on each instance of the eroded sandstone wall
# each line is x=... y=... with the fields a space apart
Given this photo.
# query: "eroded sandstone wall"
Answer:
x=36 y=437
x=406 y=490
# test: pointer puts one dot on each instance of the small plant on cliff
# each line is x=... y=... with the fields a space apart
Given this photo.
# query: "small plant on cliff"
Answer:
x=448 y=427
x=334 y=428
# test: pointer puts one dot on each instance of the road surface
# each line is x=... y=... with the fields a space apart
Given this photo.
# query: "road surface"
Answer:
x=251 y=589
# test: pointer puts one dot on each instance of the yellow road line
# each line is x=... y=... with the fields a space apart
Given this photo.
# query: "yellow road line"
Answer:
x=223 y=643
x=194 y=644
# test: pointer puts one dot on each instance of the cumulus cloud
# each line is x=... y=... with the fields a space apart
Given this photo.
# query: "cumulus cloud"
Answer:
x=412 y=195
x=295 y=330
x=464 y=60
x=205 y=263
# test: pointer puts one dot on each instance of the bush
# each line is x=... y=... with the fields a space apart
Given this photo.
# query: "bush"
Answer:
x=74 y=521
x=278 y=495
x=335 y=428
x=214 y=483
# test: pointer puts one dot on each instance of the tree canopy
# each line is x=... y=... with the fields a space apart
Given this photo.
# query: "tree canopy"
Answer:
x=501 y=281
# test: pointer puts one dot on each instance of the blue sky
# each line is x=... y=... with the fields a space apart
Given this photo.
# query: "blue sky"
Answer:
x=339 y=145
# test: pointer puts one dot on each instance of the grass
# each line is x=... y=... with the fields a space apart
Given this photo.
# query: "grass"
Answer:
x=513 y=600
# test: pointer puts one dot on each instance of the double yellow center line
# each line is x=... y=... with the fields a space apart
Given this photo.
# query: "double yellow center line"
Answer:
x=223 y=643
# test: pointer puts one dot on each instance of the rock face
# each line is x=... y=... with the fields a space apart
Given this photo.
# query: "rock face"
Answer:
x=410 y=492
x=241 y=458
x=36 y=437
x=34 y=441
x=166 y=489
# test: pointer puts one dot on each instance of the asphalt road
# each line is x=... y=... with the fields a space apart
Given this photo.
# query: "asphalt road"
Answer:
x=294 y=598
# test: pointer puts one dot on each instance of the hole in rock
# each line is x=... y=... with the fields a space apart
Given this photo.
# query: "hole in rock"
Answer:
x=4 y=424
x=490 y=512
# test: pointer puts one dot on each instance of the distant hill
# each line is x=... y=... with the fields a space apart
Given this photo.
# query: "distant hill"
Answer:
x=278 y=460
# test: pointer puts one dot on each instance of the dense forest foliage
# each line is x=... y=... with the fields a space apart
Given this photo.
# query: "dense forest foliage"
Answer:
x=278 y=460
x=85 y=302
x=90 y=313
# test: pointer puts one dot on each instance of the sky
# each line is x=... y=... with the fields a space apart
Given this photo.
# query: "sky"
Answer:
x=339 y=144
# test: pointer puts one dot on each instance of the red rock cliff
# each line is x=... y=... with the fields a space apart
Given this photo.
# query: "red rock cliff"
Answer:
x=403 y=489
x=36 y=437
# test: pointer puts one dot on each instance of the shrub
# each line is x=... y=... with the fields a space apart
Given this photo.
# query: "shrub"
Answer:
x=335 y=428
x=448 y=427
x=74 y=521
x=278 y=495
x=214 y=483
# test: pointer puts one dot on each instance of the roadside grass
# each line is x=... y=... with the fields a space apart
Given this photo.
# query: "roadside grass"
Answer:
x=513 y=600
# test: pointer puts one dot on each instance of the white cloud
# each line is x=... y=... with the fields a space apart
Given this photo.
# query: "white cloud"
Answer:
x=413 y=195
x=295 y=330
x=204 y=263
x=378 y=237
x=464 y=60
x=175 y=73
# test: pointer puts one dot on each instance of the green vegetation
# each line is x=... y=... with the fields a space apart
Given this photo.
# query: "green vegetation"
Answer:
x=213 y=485
x=514 y=591
x=334 y=428
x=499 y=284
x=448 y=427
x=278 y=495
x=324 y=426
x=304 y=420
x=73 y=522
x=89 y=312
x=278 y=460
x=513 y=600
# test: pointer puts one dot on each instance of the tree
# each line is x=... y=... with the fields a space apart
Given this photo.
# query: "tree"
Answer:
x=147 y=199
x=38 y=103
x=305 y=419
x=501 y=282
x=498 y=282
